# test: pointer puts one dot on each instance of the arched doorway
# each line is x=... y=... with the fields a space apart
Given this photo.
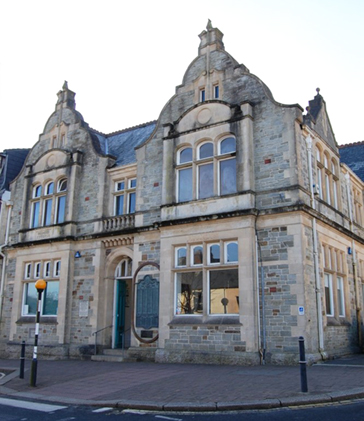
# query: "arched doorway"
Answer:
x=122 y=304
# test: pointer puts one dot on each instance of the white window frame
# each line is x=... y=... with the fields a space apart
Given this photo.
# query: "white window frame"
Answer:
x=209 y=313
x=25 y=307
x=47 y=269
x=328 y=284
x=28 y=271
x=37 y=268
x=193 y=255
x=57 y=268
x=176 y=256
x=209 y=254
x=126 y=190
x=205 y=268
x=176 y=303
x=226 y=244
x=340 y=295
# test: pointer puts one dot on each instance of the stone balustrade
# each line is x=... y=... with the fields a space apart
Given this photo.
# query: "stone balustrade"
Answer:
x=115 y=223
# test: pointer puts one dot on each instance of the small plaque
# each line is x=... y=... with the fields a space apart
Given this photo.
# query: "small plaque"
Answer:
x=83 y=309
x=146 y=334
x=301 y=311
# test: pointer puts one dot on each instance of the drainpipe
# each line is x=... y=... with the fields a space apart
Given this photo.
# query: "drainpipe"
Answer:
x=261 y=327
x=2 y=283
x=315 y=254
x=355 y=275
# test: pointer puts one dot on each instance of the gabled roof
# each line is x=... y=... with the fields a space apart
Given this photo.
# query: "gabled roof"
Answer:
x=13 y=160
x=353 y=156
x=122 y=144
x=317 y=118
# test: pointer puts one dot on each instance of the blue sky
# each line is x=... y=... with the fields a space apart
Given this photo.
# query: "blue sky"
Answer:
x=124 y=59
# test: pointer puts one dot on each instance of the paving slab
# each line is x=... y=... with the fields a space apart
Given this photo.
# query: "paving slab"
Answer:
x=188 y=387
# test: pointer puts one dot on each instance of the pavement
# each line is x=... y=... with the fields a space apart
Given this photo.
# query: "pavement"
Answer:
x=183 y=387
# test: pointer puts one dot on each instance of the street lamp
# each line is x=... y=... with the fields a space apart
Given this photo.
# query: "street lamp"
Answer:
x=40 y=286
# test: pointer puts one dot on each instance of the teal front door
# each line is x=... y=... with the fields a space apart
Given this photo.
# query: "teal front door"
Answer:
x=120 y=314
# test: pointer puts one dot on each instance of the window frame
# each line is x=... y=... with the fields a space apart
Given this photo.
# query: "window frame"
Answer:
x=216 y=89
x=43 y=302
x=177 y=257
x=49 y=203
x=329 y=295
x=210 y=289
x=209 y=254
x=126 y=191
x=205 y=268
x=202 y=95
x=340 y=296
x=189 y=173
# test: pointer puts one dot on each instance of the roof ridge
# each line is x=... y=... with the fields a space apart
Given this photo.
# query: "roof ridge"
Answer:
x=97 y=131
x=16 y=149
x=131 y=128
x=351 y=144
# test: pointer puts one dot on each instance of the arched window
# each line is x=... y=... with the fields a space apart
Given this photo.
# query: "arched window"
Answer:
x=181 y=256
x=50 y=207
x=227 y=167
x=208 y=171
x=48 y=201
x=197 y=255
x=205 y=173
x=206 y=150
x=35 y=213
x=335 y=185
x=61 y=200
x=214 y=254
x=185 y=155
x=231 y=252
x=319 y=169
x=124 y=269
x=184 y=175
x=327 y=179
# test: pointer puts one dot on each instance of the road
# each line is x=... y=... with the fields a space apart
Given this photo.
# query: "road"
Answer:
x=17 y=410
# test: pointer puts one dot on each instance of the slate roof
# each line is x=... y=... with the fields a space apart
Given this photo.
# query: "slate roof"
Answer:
x=122 y=144
x=353 y=156
x=14 y=160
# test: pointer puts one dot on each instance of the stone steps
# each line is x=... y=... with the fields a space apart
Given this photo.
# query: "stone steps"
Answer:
x=114 y=355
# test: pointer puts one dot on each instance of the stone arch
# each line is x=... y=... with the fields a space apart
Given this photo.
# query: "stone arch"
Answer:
x=108 y=286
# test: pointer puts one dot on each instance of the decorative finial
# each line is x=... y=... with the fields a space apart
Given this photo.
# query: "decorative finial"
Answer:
x=209 y=25
x=65 y=85
x=318 y=91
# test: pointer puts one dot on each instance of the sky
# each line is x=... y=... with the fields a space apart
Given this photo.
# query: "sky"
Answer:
x=125 y=58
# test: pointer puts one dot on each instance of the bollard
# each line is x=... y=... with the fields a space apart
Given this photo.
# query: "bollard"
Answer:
x=22 y=360
x=303 y=363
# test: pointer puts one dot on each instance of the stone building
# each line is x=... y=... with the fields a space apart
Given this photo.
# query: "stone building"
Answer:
x=222 y=232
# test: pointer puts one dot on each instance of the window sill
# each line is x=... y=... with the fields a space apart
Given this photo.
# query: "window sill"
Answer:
x=205 y=320
x=333 y=321
x=43 y=320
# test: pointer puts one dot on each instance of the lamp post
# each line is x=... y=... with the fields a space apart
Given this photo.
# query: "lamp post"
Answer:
x=40 y=286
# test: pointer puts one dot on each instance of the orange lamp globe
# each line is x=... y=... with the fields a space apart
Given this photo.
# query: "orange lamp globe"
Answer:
x=41 y=285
